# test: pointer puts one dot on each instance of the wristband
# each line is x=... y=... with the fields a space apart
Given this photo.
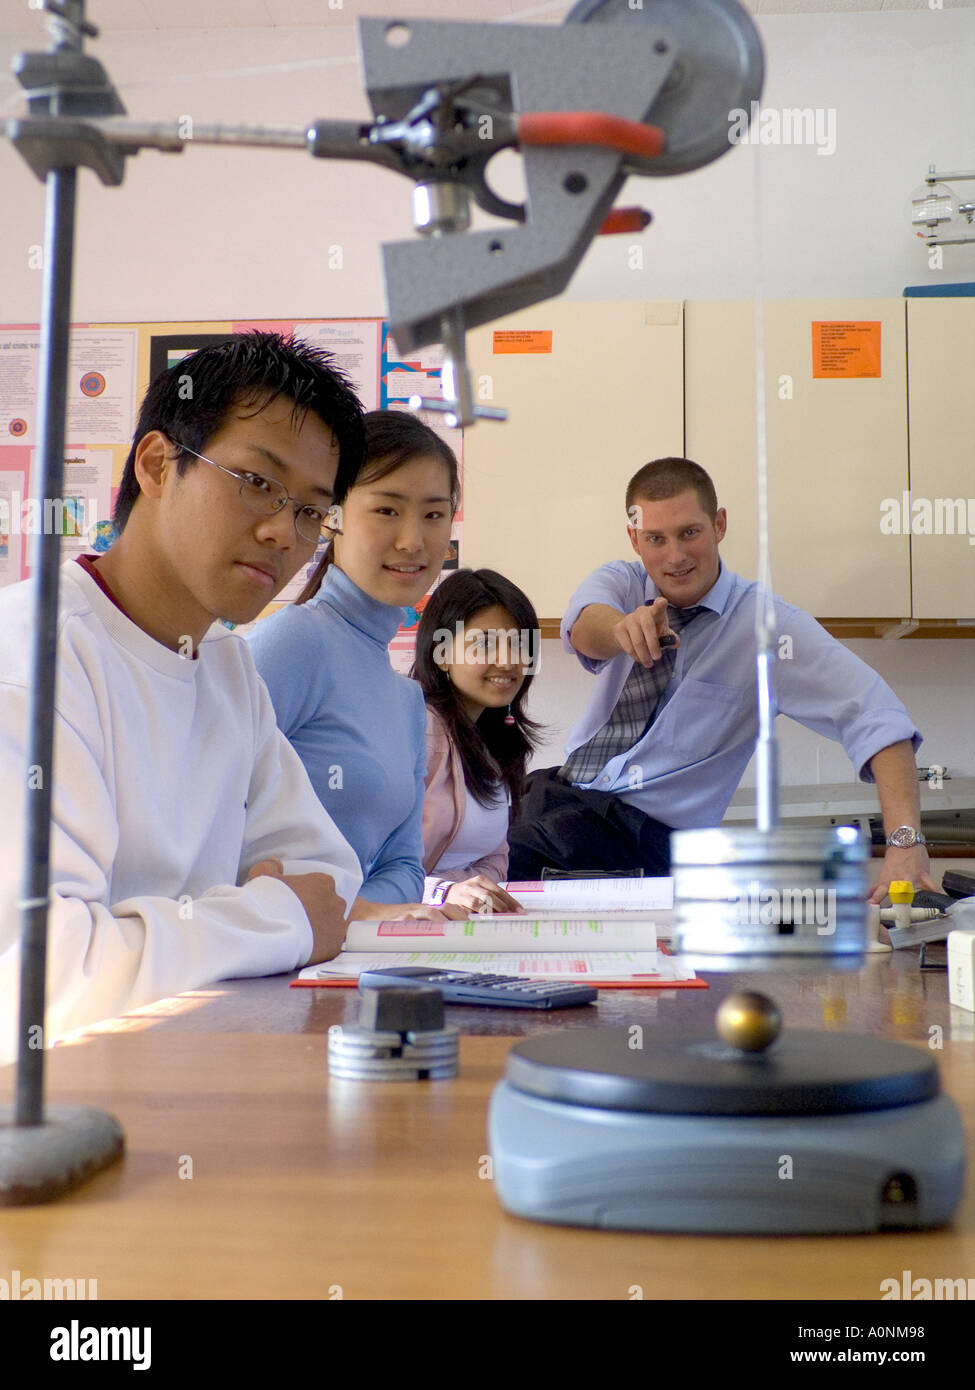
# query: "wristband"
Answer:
x=439 y=894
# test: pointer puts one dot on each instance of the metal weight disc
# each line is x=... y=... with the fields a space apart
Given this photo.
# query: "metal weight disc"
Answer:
x=359 y=1054
x=836 y=852
x=748 y=899
x=719 y=68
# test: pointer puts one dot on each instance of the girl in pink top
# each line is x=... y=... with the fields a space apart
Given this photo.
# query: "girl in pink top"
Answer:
x=477 y=649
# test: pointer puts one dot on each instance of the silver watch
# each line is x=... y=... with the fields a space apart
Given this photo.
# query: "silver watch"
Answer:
x=905 y=836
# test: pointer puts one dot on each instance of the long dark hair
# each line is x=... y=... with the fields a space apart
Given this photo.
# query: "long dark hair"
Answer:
x=491 y=751
x=393 y=438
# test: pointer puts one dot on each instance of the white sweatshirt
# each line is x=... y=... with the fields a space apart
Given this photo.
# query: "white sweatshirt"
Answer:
x=171 y=779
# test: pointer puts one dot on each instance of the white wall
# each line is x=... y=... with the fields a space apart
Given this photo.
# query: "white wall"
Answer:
x=216 y=234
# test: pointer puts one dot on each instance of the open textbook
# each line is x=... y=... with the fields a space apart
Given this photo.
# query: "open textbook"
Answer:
x=521 y=935
x=640 y=969
x=562 y=936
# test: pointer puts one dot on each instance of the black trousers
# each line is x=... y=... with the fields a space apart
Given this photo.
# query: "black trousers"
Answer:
x=563 y=827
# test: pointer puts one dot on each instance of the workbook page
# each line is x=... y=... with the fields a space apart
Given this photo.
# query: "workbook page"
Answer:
x=594 y=894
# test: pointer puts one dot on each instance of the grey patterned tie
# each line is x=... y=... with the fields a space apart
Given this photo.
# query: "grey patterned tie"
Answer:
x=633 y=712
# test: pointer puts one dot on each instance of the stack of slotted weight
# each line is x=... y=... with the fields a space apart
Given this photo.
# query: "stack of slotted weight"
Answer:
x=400 y=1036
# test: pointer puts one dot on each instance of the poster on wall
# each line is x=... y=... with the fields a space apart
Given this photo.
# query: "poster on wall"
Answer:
x=11 y=528
x=101 y=385
x=87 y=500
x=356 y=345
x=20 y=354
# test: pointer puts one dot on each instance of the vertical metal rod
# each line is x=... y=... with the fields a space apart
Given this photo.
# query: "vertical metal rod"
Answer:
x=48 y=481
x=766 y=751
x=455 y=374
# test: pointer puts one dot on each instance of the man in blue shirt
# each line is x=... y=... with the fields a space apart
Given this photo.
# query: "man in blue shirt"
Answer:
x=672 y=723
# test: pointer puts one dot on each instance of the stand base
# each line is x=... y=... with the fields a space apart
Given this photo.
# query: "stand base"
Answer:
x=573 y=1165
x=820 y=1133
x=40 y=1162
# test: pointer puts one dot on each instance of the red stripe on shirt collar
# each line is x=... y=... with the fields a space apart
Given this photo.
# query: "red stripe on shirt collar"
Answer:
x=87 y=564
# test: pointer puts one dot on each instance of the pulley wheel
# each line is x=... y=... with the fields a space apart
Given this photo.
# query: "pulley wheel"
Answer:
x=719 y=68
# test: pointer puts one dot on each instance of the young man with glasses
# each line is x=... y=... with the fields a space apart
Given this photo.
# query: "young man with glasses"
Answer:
x=187 y=842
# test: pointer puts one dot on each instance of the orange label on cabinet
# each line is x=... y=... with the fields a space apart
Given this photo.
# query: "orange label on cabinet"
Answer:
x=516 y=340
x=846 y=349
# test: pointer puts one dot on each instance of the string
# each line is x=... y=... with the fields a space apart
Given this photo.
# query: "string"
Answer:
x=550 y=8
x=765 y=617
x=218 y=74
x=261 y=70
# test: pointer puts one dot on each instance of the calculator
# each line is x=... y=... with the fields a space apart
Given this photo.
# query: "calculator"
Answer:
x=501 y=991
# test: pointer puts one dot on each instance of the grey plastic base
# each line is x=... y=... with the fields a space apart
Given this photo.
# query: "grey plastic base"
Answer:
x=747 y=1175
x=39 y=1162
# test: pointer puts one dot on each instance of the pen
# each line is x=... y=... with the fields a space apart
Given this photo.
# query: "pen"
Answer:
x=667 y=639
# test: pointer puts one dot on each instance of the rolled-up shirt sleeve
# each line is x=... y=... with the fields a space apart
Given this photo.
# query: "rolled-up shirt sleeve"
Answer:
x=616 y=585
x=827 y=688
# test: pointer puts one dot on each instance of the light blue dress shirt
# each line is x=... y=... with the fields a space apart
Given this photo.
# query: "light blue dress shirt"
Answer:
x=358 y=726
x=686 y=767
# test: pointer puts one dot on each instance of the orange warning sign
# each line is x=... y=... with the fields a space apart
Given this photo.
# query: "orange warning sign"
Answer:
x=514 y=340
x=846 y=349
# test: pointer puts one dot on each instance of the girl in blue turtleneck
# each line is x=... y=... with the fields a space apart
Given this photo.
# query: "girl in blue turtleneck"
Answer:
x=358 y=726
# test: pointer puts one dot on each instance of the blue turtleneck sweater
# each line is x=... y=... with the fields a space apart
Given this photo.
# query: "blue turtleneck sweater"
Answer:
x=358 y=726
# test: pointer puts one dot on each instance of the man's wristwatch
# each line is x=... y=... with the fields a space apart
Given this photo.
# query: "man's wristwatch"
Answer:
x=904 y=837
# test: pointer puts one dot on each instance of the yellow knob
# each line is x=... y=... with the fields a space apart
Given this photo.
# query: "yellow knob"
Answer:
x=901 y=891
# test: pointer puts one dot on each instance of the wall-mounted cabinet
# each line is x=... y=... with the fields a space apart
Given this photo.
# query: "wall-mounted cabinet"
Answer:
x=544 y=494
x=941 y=401
x=837 y=446
x=883 y=414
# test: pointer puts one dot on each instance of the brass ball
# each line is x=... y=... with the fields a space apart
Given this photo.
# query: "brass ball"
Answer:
x=748 y=1021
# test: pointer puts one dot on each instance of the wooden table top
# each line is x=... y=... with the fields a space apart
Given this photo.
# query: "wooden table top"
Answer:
x=307 y=1187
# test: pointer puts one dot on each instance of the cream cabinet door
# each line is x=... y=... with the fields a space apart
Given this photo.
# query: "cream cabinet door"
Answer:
x=941 y=513
x=544 y=494
x=837 y=447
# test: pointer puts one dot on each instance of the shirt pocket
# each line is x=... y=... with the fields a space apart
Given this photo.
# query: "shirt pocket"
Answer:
x=706 y=718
